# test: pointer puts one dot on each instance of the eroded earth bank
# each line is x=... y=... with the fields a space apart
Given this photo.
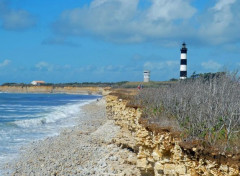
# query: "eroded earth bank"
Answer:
x=161 y=152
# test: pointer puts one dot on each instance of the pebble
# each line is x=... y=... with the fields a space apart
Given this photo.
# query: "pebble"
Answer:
x=85 y=149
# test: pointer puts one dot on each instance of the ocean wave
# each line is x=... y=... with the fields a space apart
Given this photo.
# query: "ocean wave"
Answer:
x=16 y=116
x=10 y=110
x=18 y=105
x=23 y=108
x=57 y=113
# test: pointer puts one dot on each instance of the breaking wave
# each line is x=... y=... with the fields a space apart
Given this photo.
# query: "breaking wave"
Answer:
x=58 y=113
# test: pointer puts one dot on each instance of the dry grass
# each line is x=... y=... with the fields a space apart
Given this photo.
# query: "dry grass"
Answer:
x=203 y=110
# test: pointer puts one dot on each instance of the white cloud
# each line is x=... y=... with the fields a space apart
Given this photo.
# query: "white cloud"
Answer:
x=18 y=20
x=170 y=10
x=222 y=4
x=102 y=69
x=122 y=21
x=163 y=21
x=222 y=22
x=44 y=66
x=15 y=19
x=211 y=65
x=161 y=65
x=5 y=63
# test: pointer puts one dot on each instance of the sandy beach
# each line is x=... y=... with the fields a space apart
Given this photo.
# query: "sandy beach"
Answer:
x=86 y=149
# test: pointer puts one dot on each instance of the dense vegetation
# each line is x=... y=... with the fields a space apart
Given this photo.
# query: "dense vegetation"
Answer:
x=205 y=107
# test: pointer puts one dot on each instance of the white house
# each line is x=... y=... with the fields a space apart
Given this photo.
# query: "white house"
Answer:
x=37 y=83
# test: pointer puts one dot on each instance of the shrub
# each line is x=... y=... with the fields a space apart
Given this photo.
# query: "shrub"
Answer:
x=203 y=109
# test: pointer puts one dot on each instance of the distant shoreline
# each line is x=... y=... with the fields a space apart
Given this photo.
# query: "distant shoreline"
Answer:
x=55 y=90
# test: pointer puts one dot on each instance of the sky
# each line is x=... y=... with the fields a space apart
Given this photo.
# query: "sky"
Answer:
x=61 y=41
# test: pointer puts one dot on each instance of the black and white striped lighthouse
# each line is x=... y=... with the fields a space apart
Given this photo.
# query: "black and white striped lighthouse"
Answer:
x=183 y=63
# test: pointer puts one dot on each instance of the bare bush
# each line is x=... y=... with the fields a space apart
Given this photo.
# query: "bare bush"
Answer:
x=203 y=109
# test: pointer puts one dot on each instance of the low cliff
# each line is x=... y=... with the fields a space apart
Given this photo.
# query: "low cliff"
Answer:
x=54 y=89
x=159 y=151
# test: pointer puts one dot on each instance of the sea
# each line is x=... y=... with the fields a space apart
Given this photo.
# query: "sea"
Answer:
x=25 y=118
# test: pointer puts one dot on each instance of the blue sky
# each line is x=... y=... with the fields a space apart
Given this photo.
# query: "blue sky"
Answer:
x=115 y=40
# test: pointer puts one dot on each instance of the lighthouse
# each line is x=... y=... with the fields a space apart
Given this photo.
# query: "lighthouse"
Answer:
x=183 y=63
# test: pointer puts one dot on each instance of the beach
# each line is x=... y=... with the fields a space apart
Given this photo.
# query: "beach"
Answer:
x=85 y=149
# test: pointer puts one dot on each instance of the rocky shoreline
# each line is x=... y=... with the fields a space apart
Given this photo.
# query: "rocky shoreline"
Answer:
x=86 y=149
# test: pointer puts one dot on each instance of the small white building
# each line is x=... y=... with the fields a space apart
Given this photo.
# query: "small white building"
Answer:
x=37 y=83
x=146 y=76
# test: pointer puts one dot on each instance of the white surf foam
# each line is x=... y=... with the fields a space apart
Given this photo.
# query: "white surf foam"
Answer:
x=35 y=126
x=56 y=114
